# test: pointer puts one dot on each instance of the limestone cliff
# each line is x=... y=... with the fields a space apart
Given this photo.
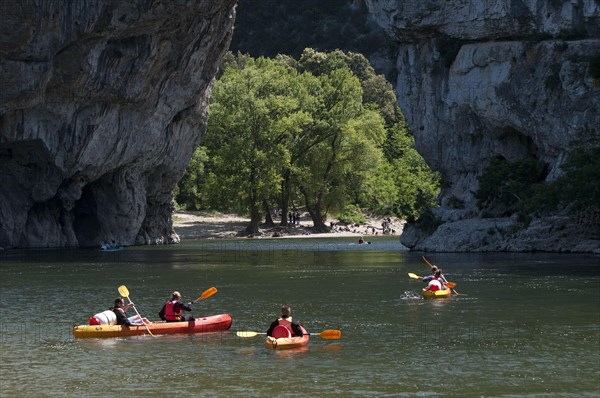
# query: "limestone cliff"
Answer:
x=484 y=79
x=101 y=105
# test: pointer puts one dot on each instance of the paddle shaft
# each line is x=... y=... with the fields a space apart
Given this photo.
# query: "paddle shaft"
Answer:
x=124 y=292
x=326 y=334
x=428 y=263
x=142 y=319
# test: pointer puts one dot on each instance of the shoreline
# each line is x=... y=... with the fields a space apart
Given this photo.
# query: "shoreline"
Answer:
x=200 y=225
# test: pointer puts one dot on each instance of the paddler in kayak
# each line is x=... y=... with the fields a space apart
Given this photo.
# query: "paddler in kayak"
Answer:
x=173 y=309
x=437 y=281
x=286 y=321
x=120 y=310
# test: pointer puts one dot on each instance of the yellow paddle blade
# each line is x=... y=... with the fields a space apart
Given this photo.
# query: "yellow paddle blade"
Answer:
x=123 y=291
x=331 y=334
x=414 y=276
x=247 y=334
x=451 y=285
x=207 y=293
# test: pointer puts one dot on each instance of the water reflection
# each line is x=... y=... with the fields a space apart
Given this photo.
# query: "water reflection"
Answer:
x=524 y=324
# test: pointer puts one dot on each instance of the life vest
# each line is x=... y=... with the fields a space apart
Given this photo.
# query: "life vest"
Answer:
x=286 y=324
x=170 y=314
x=434 y=285
x=281 y=332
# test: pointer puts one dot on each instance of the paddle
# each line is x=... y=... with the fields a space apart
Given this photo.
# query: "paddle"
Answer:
x=124 y=292
x=330 y=334
x=451 y=285
x=207 y=293
x=428 y=263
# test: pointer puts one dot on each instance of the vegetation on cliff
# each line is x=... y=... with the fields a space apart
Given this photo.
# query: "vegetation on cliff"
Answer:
x=520 y=187
x=323 y=132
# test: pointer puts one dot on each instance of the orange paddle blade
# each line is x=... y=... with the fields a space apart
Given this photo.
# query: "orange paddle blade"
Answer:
x=330 y=334
x=207 y=293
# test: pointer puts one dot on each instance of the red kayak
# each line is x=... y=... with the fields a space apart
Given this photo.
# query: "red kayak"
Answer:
x=213 y=323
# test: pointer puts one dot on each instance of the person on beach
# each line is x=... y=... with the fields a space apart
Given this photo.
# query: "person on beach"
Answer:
x=287 y=322
x=173 y=309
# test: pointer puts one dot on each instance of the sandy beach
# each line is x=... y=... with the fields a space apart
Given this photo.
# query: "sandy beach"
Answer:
x=200 y=225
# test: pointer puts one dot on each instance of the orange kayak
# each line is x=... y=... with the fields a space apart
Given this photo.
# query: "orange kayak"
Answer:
x=286 y=343
x=213 y=323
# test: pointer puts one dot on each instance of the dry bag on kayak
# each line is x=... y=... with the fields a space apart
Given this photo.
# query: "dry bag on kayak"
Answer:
x=107 y=317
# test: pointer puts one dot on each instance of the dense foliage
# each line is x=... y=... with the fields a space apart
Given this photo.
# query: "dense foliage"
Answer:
x=323 y=132
x=504 y=185
x=520 y=187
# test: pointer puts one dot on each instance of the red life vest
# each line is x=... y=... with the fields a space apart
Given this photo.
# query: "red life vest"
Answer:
x=286 y=324
x=170 y=314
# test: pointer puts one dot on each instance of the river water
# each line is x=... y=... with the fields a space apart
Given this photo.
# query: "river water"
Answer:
x=524 y=325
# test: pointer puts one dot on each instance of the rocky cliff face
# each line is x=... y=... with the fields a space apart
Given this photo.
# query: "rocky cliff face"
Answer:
x=509 y=79
x=101 y=106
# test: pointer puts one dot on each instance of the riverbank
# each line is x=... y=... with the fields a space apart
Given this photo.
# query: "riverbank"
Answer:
x=200 y=225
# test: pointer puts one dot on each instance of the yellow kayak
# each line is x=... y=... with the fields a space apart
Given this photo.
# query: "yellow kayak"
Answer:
x=436 y=294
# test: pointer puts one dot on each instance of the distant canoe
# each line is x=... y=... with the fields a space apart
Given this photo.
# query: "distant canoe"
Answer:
x=113 y=249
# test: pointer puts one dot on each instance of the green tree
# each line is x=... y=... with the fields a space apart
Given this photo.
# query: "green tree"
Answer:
x=188 y=192
x=324 y=131
x=347 y=148
x=250 y=116
x=416 y=185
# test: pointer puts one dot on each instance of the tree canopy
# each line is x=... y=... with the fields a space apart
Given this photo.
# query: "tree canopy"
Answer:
x=323 y=132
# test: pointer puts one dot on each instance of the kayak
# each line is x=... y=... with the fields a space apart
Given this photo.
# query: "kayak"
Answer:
x=436 y=294
x=112 y=249
x=286 y=343
x=213 y=323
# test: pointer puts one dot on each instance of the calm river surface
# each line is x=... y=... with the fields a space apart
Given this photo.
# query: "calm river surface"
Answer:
x=525 y=324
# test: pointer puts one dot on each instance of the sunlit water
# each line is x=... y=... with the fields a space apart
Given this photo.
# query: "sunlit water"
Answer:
x=523 y=324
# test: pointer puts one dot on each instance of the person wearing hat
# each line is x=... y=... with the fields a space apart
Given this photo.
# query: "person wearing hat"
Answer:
x=173 y=309
x=286 y=321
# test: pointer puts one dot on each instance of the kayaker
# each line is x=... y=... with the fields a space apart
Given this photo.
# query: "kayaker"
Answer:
x=286 y=321
x=120 y=310
x=440 y=277
x=430 y=277
x=437 y=281
x=173 y=309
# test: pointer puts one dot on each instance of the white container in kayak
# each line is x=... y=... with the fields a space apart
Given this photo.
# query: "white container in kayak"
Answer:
x=107 y=317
